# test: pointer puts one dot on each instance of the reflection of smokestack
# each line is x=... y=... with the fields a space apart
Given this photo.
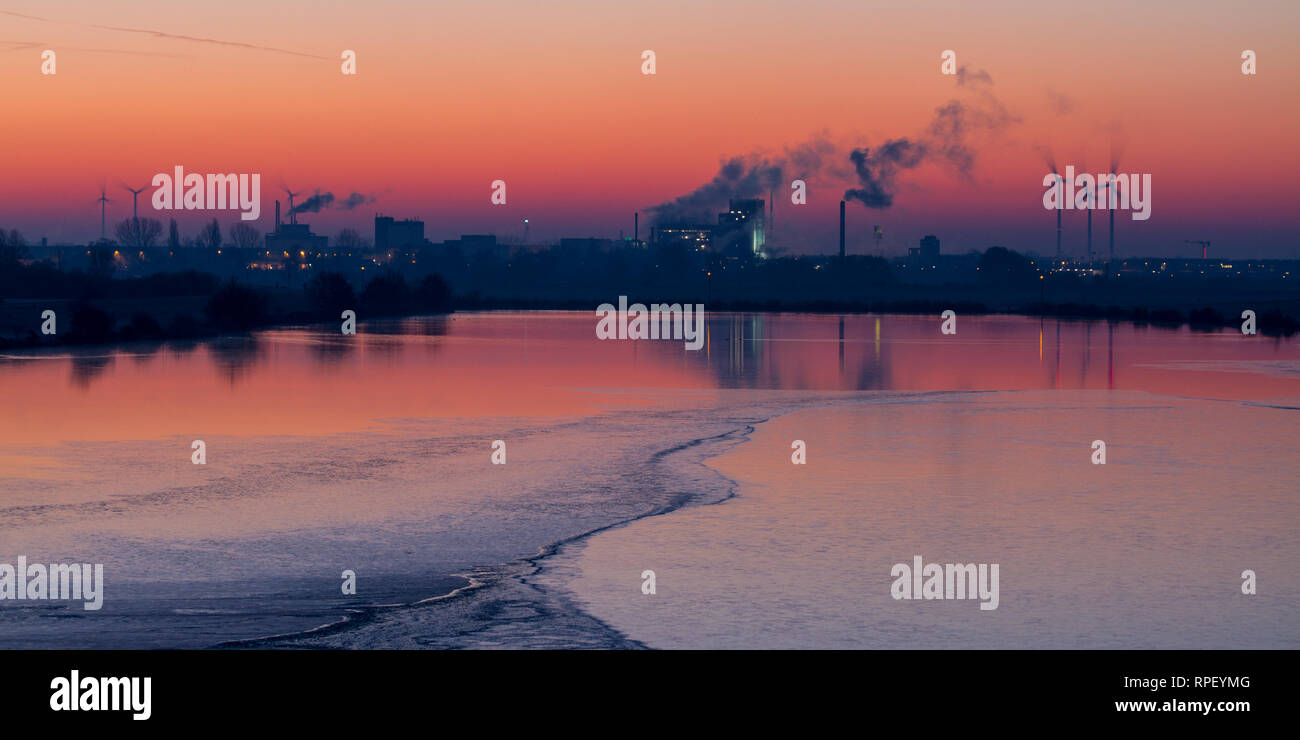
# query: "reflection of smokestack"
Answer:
x=636 y=226
x=841 y=228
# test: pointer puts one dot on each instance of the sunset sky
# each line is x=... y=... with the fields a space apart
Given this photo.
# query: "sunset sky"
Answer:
x=549 y=97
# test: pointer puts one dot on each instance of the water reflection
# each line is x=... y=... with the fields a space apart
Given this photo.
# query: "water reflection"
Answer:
x=85 y=367
x=235 y=356
x=543 y=362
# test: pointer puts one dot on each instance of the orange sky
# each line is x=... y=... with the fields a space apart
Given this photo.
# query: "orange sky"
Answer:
x=550 y=98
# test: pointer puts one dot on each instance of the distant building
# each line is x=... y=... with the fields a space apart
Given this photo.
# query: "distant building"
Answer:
x=474 y=246
x=693 y=238
x=294 y=240
x=930 y=248
x=744 y=225
x=586 y=245
x=740 y=231
x=393 y=234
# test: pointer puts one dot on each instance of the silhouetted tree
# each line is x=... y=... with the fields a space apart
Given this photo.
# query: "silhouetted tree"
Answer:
x=12 y=247
x=211 y=235
x=1001 y=266
x=138 y=233
x=350 y=240
x=385 y=295
x=143 y=326
x=90 y=325
x=173 y=235
x=102 y=262
x=433 y=294
x=236 y=307
x=244 y=236
x=329 y=294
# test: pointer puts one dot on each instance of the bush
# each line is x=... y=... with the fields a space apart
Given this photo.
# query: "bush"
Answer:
x=90 y=325
x=433 y=295
x=236 y=307
x=386 y=295
x=330 y=294
x=143 y=326
x=1003 y=267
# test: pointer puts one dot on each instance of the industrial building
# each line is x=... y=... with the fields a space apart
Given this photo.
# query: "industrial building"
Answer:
x=293 y=239
x=391 y=234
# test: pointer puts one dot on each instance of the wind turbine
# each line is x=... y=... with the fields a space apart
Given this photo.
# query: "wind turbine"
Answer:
x=1060 y=193
x=102 y=200
x=293 y=219
x=135 y=194
x=1106 y=199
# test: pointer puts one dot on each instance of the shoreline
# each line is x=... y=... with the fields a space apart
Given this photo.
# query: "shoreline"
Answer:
x=1273 y=324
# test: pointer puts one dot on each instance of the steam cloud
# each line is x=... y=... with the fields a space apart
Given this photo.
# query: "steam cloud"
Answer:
x=948 y=140
x=320 y=201
x=749 y=176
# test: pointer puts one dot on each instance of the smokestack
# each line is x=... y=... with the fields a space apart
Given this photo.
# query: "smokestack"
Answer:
x=1090 y=231
x=771 y=212
x=1060 y=193
x=636 y=226
x=277 y=216
x=1112 y=234
x=841 y=229
x=1058 y=233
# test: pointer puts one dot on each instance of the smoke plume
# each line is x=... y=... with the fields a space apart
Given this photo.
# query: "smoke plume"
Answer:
x=949 y=140
x=320 y=201
x=751 y=176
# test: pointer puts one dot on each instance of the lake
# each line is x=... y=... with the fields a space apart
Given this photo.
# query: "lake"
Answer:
x=373 y=453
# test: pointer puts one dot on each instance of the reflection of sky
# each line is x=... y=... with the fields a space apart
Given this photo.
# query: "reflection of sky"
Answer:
x=492 y=364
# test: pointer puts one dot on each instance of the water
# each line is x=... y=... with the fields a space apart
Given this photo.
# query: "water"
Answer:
x=372 y=453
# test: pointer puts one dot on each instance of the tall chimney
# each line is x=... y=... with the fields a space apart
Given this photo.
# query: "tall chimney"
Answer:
x=1060 y=206
x=1058 y=233
x=1089 y=231
x=1112 y=234
x=841 y=229
x=277 y=216
x=636 y=226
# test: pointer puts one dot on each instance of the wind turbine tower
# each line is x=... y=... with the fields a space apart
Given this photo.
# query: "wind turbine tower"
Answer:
x=135 y=195
x=102 y=200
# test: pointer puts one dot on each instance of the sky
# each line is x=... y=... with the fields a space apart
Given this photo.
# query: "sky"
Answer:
x=550 y=98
